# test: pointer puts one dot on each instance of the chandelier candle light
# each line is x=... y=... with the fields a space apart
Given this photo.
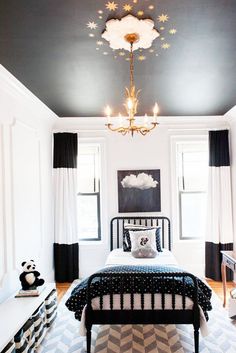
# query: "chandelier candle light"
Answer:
x=131 y=103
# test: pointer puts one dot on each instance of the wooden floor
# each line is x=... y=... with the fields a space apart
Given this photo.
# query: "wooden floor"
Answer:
x=218 y=289
x=61 y=289
x=216 y=286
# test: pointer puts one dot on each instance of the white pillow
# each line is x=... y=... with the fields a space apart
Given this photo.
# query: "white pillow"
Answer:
x=143 y=243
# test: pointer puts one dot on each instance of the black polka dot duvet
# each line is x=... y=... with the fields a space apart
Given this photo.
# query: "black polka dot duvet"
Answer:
x=77 y=299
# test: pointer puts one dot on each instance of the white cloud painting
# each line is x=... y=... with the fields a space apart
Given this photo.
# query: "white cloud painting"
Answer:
x=141 y=181
x=139 y=190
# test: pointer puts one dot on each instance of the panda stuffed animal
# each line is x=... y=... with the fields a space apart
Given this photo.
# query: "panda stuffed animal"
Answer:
x=29 y=277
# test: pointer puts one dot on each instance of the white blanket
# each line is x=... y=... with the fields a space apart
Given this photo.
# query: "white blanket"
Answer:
x=120 y=257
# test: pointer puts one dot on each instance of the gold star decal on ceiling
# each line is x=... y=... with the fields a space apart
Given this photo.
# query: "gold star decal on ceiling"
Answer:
x=141 y=58
x=111 y=6
x=165 y=46
x=92 y=25
x=127 y=7
x=163 y=18
x=140 y=13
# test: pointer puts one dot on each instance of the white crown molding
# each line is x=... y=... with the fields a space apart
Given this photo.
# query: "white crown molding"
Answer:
x=90 y=124
x=231 y=114
x=12 y=86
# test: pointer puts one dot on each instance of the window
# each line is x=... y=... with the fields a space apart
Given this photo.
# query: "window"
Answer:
x=192 y=171
x=89 y=215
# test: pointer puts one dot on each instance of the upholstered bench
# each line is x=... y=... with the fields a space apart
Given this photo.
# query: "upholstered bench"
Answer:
x=25 y=321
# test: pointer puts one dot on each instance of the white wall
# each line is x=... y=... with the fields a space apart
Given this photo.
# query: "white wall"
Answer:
x=150 y=152
x=26 y=218
x=231 y=119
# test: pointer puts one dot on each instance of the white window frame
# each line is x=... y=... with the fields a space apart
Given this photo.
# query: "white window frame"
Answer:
x=175 y=140
x=101 y=142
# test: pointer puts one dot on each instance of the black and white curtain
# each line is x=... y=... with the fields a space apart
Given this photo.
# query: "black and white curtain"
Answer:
x=219 y=235
x=66 y=247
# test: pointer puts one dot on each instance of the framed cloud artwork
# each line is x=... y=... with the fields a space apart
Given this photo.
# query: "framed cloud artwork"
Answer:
x=139 y=190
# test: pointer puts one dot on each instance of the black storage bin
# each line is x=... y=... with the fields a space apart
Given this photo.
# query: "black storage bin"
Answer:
x=51 y=307
x=10 y=347
x=39 y=318
x=25 y=338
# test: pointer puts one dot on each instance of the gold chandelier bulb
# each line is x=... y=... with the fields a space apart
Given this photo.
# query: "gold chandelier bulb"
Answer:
x=108 y=111
x=155 y=109
x=129 y=103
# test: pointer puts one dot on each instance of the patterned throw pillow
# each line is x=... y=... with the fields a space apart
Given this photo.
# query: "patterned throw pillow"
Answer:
x=126 y=240
x=158 y=239
x=143 y=243
x=126 y=236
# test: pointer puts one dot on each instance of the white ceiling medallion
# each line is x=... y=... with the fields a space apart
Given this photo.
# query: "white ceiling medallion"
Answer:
x=116 y=31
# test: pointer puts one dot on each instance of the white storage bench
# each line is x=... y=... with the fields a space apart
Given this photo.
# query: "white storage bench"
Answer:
x=25 y=321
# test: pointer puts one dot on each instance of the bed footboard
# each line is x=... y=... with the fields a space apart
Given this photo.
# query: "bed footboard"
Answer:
x=132 y=315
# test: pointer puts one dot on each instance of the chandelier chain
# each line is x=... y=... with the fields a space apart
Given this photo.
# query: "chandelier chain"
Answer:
x=131 y=66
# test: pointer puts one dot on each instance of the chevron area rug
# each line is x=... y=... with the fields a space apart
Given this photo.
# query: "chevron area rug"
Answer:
x=63 y=337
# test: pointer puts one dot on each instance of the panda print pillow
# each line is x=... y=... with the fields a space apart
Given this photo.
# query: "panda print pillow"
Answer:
x=143 y=243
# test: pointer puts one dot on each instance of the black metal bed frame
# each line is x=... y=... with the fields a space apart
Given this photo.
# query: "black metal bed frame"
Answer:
x=117 y=225
x=143 y=316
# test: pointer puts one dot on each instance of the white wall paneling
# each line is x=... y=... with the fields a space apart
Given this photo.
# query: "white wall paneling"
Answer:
x=27 y=191
x=2 y=225
x=26 y=212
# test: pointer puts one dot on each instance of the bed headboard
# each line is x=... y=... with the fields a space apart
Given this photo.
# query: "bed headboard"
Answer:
x=117 y=226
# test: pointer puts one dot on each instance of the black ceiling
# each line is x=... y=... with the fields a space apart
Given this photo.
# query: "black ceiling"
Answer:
x=47 y=45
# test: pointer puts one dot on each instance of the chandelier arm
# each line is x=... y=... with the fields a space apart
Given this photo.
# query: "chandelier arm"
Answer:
x=122 y=130
x=144 y=132
x=153 y=126
x=142 y=127
x=113 y=128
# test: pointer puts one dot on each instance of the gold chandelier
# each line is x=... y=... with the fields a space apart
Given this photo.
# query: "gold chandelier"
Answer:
x=128 y=124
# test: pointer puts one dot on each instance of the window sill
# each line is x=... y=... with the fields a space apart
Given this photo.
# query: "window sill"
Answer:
x=189 y=241
x=90 y=242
